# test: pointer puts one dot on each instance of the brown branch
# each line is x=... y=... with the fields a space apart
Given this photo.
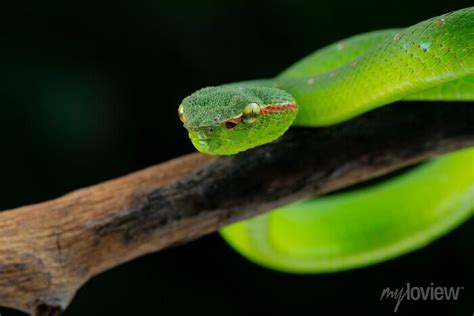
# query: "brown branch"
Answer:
x=48 y=250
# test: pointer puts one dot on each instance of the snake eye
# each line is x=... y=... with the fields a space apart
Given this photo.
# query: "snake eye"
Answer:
x=181 y=113
x=250 y=113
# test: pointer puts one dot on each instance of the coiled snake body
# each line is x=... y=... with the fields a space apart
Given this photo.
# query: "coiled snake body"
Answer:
x=432 y=60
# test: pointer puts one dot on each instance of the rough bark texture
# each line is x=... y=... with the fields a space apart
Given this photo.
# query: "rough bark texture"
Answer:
x=48 y=250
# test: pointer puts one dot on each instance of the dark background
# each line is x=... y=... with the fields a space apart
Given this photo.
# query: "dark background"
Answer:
x=89 y=91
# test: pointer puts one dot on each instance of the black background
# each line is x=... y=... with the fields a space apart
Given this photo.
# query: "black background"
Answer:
x=89 y=91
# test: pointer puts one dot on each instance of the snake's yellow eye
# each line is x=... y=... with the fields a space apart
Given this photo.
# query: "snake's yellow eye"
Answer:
x=250 y=112
x=181 y=113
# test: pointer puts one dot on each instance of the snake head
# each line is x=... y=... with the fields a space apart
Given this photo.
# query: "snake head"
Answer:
x=226 y=120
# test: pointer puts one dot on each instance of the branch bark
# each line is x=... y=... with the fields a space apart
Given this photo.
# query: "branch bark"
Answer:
x=48 y=250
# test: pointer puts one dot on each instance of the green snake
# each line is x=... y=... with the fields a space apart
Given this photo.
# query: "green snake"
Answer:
x=432 y=60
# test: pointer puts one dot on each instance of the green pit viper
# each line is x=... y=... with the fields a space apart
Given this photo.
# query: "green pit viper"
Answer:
x=432 y=60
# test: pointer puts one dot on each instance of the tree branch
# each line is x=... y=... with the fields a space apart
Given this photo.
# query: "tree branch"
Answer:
x=48 y=250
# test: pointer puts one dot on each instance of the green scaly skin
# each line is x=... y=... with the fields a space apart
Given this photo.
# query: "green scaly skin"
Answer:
x=432 y=60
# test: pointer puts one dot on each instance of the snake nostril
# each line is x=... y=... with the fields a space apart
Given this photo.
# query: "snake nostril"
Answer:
x=230 y=124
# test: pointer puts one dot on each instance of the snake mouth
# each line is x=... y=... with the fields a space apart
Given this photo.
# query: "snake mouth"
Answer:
x=206 y=142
